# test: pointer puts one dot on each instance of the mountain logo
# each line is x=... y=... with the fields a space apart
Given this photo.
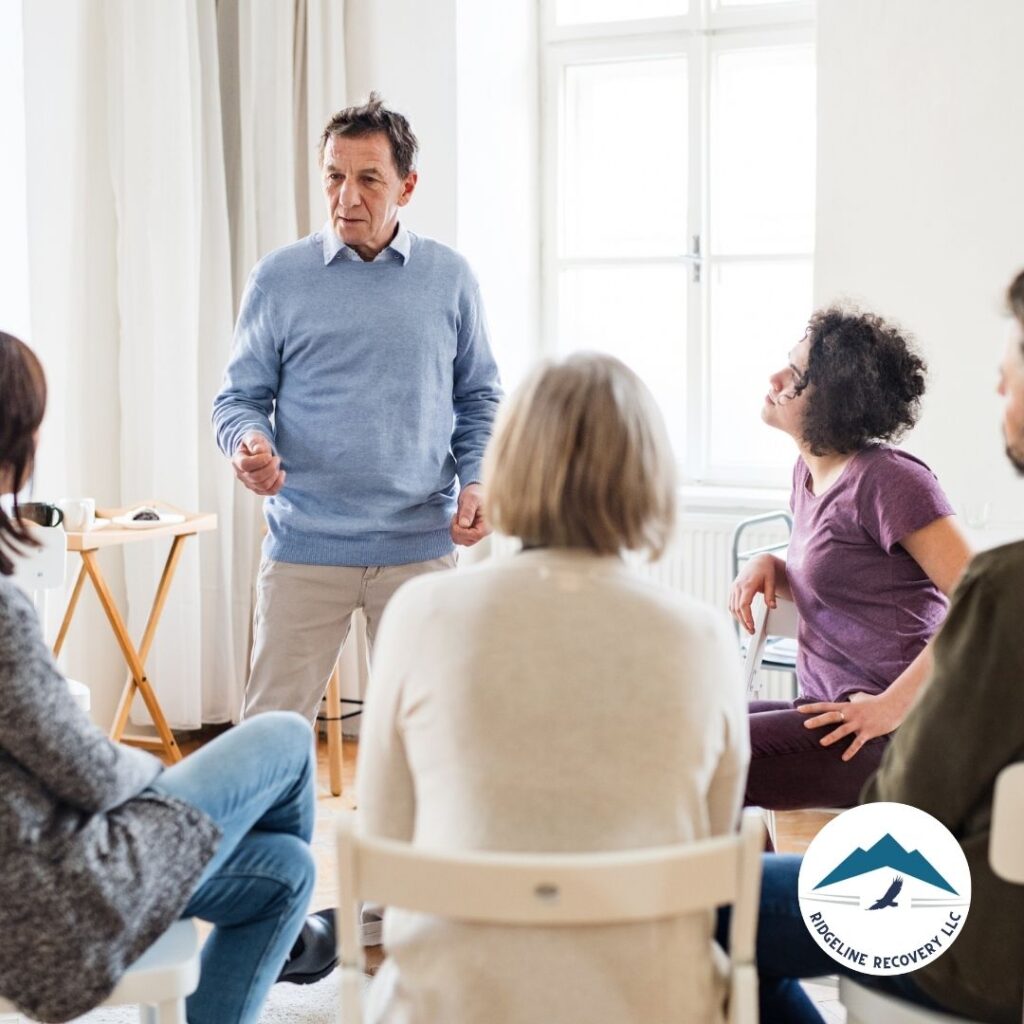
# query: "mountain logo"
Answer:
x=886 y=853
x=889 y=858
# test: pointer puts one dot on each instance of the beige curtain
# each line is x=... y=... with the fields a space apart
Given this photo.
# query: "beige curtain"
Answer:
x=169 y=147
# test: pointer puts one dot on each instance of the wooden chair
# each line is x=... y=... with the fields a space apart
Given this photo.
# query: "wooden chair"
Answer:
x=159 y=980
x=1006 y=857
x=555 y=890
x=332 y=714
x=335 y=741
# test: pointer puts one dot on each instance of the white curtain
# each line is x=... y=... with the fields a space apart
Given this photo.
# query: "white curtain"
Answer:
x=169 y=147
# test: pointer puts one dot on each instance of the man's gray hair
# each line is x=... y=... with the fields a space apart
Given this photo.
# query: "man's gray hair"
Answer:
x=372 y=117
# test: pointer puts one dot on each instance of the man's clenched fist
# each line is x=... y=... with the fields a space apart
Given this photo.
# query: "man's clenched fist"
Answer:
x=257 y=465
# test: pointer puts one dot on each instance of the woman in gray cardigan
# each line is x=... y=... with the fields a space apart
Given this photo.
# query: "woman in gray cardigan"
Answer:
x=101 y=849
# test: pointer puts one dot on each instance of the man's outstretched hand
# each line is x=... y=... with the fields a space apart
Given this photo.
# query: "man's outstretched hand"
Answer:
x=257 y=466
x=469 y=524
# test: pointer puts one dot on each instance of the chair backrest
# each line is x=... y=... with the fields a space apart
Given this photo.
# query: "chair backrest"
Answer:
x=780 y=621
x=741 y=554
x=1006 y=840
x=42 y=568
x=554 y=890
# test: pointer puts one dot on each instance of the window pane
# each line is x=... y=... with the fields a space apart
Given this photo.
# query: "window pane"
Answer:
x=577 y=12
x=623 y=181
x=758 y=312
x=763 y=151
x=639 y=315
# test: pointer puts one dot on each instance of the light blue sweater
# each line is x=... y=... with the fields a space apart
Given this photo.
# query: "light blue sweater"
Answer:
x=376 y=384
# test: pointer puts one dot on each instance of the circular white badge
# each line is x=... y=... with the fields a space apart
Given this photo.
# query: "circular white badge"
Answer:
x=884 y=888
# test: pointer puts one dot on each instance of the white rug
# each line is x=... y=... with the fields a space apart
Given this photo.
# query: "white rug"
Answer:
x=287 y=1004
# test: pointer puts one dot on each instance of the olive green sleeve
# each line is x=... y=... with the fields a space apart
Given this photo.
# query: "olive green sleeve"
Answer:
x=966 y=724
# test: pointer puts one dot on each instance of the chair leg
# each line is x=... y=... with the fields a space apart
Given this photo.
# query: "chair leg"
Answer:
x=171 y=1012
x=334 y=737
x=352 y=982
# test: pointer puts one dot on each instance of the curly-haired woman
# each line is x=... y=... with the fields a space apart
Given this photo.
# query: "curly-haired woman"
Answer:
x=875 y=551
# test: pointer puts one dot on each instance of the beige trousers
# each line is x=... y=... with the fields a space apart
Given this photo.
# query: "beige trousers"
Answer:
x=303 y=617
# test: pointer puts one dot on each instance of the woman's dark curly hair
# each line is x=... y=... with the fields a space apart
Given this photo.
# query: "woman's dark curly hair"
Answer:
x=867 y=382
x=22 y=404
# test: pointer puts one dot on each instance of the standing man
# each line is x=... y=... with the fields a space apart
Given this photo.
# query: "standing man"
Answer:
x=358 y=400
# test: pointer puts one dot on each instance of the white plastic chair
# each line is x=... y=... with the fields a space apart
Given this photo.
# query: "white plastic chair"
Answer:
x=780 y=622
x=39 y=570
x=1005 y=855
x=771 y=658
x=553 y=890
x=159 y=980
x=43 y=568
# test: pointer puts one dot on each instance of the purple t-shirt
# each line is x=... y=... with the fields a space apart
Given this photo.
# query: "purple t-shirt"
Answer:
x=866 y=607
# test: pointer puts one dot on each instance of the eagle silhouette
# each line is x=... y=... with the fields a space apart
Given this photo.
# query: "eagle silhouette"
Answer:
x=889 y=899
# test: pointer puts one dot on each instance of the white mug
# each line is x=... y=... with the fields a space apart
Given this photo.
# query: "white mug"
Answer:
x=79 y=513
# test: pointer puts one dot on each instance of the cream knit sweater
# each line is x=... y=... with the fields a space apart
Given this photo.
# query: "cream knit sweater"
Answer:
x=556 y=701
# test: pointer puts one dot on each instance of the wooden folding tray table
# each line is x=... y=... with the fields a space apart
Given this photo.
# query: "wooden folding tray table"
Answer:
x=87 y=545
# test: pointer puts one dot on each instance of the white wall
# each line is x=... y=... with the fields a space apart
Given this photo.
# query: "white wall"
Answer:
x=921 y=207
x=406 y=51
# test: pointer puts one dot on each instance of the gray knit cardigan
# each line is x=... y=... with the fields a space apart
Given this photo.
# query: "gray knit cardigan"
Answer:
x=94 y=865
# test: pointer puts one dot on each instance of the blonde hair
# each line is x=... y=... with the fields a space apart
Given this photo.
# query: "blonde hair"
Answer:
x=580 y=459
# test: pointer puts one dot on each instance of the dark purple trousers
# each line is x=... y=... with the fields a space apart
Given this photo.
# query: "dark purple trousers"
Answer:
x=790 y=769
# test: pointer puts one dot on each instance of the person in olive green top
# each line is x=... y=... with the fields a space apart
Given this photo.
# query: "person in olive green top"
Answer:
x=965 y=727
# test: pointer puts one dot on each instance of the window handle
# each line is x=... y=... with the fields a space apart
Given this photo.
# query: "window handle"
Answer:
x=694 y=257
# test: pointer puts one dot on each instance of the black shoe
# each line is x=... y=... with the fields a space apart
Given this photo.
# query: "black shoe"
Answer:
x=315 y=953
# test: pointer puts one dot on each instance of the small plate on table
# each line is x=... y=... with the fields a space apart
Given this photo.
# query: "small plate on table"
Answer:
x=128 y=522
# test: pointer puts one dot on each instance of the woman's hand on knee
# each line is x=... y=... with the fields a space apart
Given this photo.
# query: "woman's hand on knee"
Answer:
x=865 y=716
x=757 y=577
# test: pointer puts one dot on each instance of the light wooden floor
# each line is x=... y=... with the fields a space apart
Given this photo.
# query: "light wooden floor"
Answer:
x=328 y=809
x=796 y=829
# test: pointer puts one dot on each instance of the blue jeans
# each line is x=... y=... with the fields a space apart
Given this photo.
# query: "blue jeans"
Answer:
x=786 y=952
x=257 y=783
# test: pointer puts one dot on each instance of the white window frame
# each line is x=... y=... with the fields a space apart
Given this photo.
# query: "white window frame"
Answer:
x=695 y=36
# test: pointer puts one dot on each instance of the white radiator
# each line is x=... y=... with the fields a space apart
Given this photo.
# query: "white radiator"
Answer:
x=700 y=560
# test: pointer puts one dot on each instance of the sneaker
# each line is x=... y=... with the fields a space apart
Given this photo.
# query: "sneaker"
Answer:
x=371 y=924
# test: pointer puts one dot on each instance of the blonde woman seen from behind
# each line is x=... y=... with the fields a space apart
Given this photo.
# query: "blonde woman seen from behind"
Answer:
x=556 y=701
